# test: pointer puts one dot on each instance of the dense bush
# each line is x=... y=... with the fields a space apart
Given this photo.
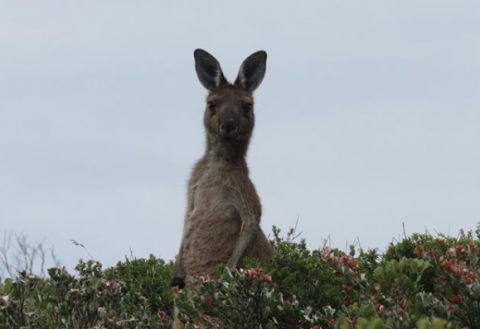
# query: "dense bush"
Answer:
x=423 y=281
x=129 y=295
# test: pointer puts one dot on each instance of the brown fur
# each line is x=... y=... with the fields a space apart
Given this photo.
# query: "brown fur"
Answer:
x=222 y=219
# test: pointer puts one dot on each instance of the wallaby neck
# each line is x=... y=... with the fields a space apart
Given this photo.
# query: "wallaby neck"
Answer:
x=227 y=152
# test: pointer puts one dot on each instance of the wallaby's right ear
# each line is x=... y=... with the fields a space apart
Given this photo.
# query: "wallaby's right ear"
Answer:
x=252 y=71
x=208 y=69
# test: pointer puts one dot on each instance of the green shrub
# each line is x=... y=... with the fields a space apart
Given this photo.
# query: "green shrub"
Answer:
x=92 y=299
x=423 y=281
x=299 y=272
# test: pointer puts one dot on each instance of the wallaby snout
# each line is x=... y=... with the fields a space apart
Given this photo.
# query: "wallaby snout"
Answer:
x=229 y=127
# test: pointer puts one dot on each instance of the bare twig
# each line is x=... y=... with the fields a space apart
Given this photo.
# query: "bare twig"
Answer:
x=19 y=254
x=78 y=244
x=404 y=231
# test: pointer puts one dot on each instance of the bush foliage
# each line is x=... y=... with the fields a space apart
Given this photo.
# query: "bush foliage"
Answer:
x=423 y=281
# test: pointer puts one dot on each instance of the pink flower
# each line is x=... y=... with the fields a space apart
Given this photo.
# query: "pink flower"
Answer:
x=471 y=246
x=251 y=273
x=267 y=279
x=469 y=277
x=459 y=250
x=378 y=309
x=418 y=251
x=456 y=299
x=3 y=300
x=448 y=267
x=112 y=284
x=258 y=274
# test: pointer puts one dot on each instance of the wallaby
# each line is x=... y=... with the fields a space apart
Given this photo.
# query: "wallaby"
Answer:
x=222 y=220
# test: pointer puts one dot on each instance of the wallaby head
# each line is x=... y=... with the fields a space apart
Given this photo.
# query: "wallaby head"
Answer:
x=229 y=117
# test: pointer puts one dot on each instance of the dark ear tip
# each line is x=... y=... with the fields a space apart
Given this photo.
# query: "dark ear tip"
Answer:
x=261 y=54
x=199 y=52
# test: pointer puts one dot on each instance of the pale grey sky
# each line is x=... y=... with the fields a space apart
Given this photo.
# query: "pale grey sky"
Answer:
x=369 y=116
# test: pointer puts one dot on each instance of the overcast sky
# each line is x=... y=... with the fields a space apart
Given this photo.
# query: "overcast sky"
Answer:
x=369 y=116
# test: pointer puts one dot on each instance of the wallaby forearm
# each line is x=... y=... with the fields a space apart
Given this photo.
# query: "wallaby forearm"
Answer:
x=247 y=235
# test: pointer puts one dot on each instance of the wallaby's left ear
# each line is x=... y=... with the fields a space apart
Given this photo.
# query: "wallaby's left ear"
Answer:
x=252 y=71
x=208 y=69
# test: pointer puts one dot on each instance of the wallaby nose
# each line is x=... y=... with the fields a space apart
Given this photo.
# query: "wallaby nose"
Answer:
x=228 y=126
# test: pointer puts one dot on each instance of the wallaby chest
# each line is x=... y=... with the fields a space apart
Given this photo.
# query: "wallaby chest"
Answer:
x=216 y=195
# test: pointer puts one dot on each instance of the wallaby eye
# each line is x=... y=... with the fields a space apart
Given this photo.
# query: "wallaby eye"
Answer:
x=247 y=108
x=212 y=107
